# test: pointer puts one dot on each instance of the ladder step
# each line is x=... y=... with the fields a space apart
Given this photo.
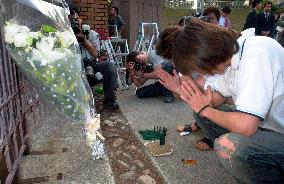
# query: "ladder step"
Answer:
x=121 y=54
x=118 y=40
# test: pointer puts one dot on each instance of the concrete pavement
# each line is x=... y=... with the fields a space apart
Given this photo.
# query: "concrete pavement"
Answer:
x=77 y=166
x=146 y=113
x=54 y=133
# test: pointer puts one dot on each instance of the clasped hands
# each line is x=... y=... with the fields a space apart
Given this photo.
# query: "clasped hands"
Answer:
x=189 y=90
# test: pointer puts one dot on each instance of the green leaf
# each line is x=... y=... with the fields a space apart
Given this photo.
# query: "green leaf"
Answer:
x=58 y=43
x=47 y=29
x=32 y=41
x=72 y=87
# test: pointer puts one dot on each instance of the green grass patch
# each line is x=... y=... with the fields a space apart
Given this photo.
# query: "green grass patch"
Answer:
x=238 y=17
x=170 y=15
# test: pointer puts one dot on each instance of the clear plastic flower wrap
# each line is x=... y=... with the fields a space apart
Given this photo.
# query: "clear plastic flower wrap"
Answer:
x=40 y=40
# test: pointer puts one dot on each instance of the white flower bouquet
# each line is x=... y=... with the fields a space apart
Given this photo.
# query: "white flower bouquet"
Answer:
x=51 y=67
x=40 y=40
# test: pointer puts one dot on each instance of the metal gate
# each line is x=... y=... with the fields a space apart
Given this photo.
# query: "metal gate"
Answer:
x=19 y=106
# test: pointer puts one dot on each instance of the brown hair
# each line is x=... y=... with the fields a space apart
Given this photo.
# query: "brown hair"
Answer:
x=198 y=45
x=164 y=46
x=132 y=57
x=267 y=2
x=212 y=9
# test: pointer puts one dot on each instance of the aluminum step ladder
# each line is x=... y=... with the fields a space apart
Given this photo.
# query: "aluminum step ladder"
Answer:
x=146 y=43
x=106 y=45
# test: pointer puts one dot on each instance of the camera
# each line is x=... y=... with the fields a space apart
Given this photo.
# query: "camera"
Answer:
x=144 y=67
x=86 y=30
x=74 y=21
x=75 y=26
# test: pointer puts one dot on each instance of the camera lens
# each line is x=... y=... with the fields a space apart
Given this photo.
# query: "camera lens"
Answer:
x=137 y=66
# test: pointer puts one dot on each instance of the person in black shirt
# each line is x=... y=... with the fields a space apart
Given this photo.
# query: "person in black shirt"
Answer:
x=115 y=20
x=251 y=17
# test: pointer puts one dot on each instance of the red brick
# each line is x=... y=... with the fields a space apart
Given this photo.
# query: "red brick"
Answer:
x=98 y=26
x=99 y=22
x=100 y=14
x=102 y=2
x=88 y=13
x=84 y=9
x=101 y=10
x=91 y=10
x=85 y=13
x=94 y=12
x=105 y=10
x=104 y=18
x=84 y=17
x=101 y=6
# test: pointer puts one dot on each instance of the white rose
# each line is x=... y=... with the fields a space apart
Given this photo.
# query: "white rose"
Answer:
x=66 y=38
x=11 y=30
x=46 y=44
x=47 y=56
x=24 y=29
x=20 y=40
x=39 y=56
x=9 y=38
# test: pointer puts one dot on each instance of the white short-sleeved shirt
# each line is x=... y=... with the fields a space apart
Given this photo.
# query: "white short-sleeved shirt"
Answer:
x=94 y=38
x=210 y=80
x=222 y=21
x=255 y=80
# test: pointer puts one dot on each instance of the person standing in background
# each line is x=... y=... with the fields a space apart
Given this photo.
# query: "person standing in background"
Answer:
x=224 y=20
x=115 y=21
x=265 y=21
x=213 y=13
x=251 y=17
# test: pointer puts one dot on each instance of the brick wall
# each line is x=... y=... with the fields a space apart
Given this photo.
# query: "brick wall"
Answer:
x=94 y=12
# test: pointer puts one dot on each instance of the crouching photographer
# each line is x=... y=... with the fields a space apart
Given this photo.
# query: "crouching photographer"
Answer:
x=95 y=71
x=143 y=66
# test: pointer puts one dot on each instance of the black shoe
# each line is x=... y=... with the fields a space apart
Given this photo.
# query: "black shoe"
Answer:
x=169 y=98
x=111 y=106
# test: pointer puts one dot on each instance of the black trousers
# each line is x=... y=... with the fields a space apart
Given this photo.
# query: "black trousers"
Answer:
x=108 y=70
x=156 y=89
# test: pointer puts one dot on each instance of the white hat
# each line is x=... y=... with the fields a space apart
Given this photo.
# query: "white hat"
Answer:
x=86 y=27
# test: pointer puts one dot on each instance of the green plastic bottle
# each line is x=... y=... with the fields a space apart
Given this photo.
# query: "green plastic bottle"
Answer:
x=99 y=90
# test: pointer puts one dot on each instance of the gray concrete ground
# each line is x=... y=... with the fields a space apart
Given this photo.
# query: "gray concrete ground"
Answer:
x=146 y=113
x=76 y=164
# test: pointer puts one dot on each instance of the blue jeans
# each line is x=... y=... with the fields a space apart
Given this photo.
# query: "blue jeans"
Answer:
x=156 y=89
x=257 y=159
